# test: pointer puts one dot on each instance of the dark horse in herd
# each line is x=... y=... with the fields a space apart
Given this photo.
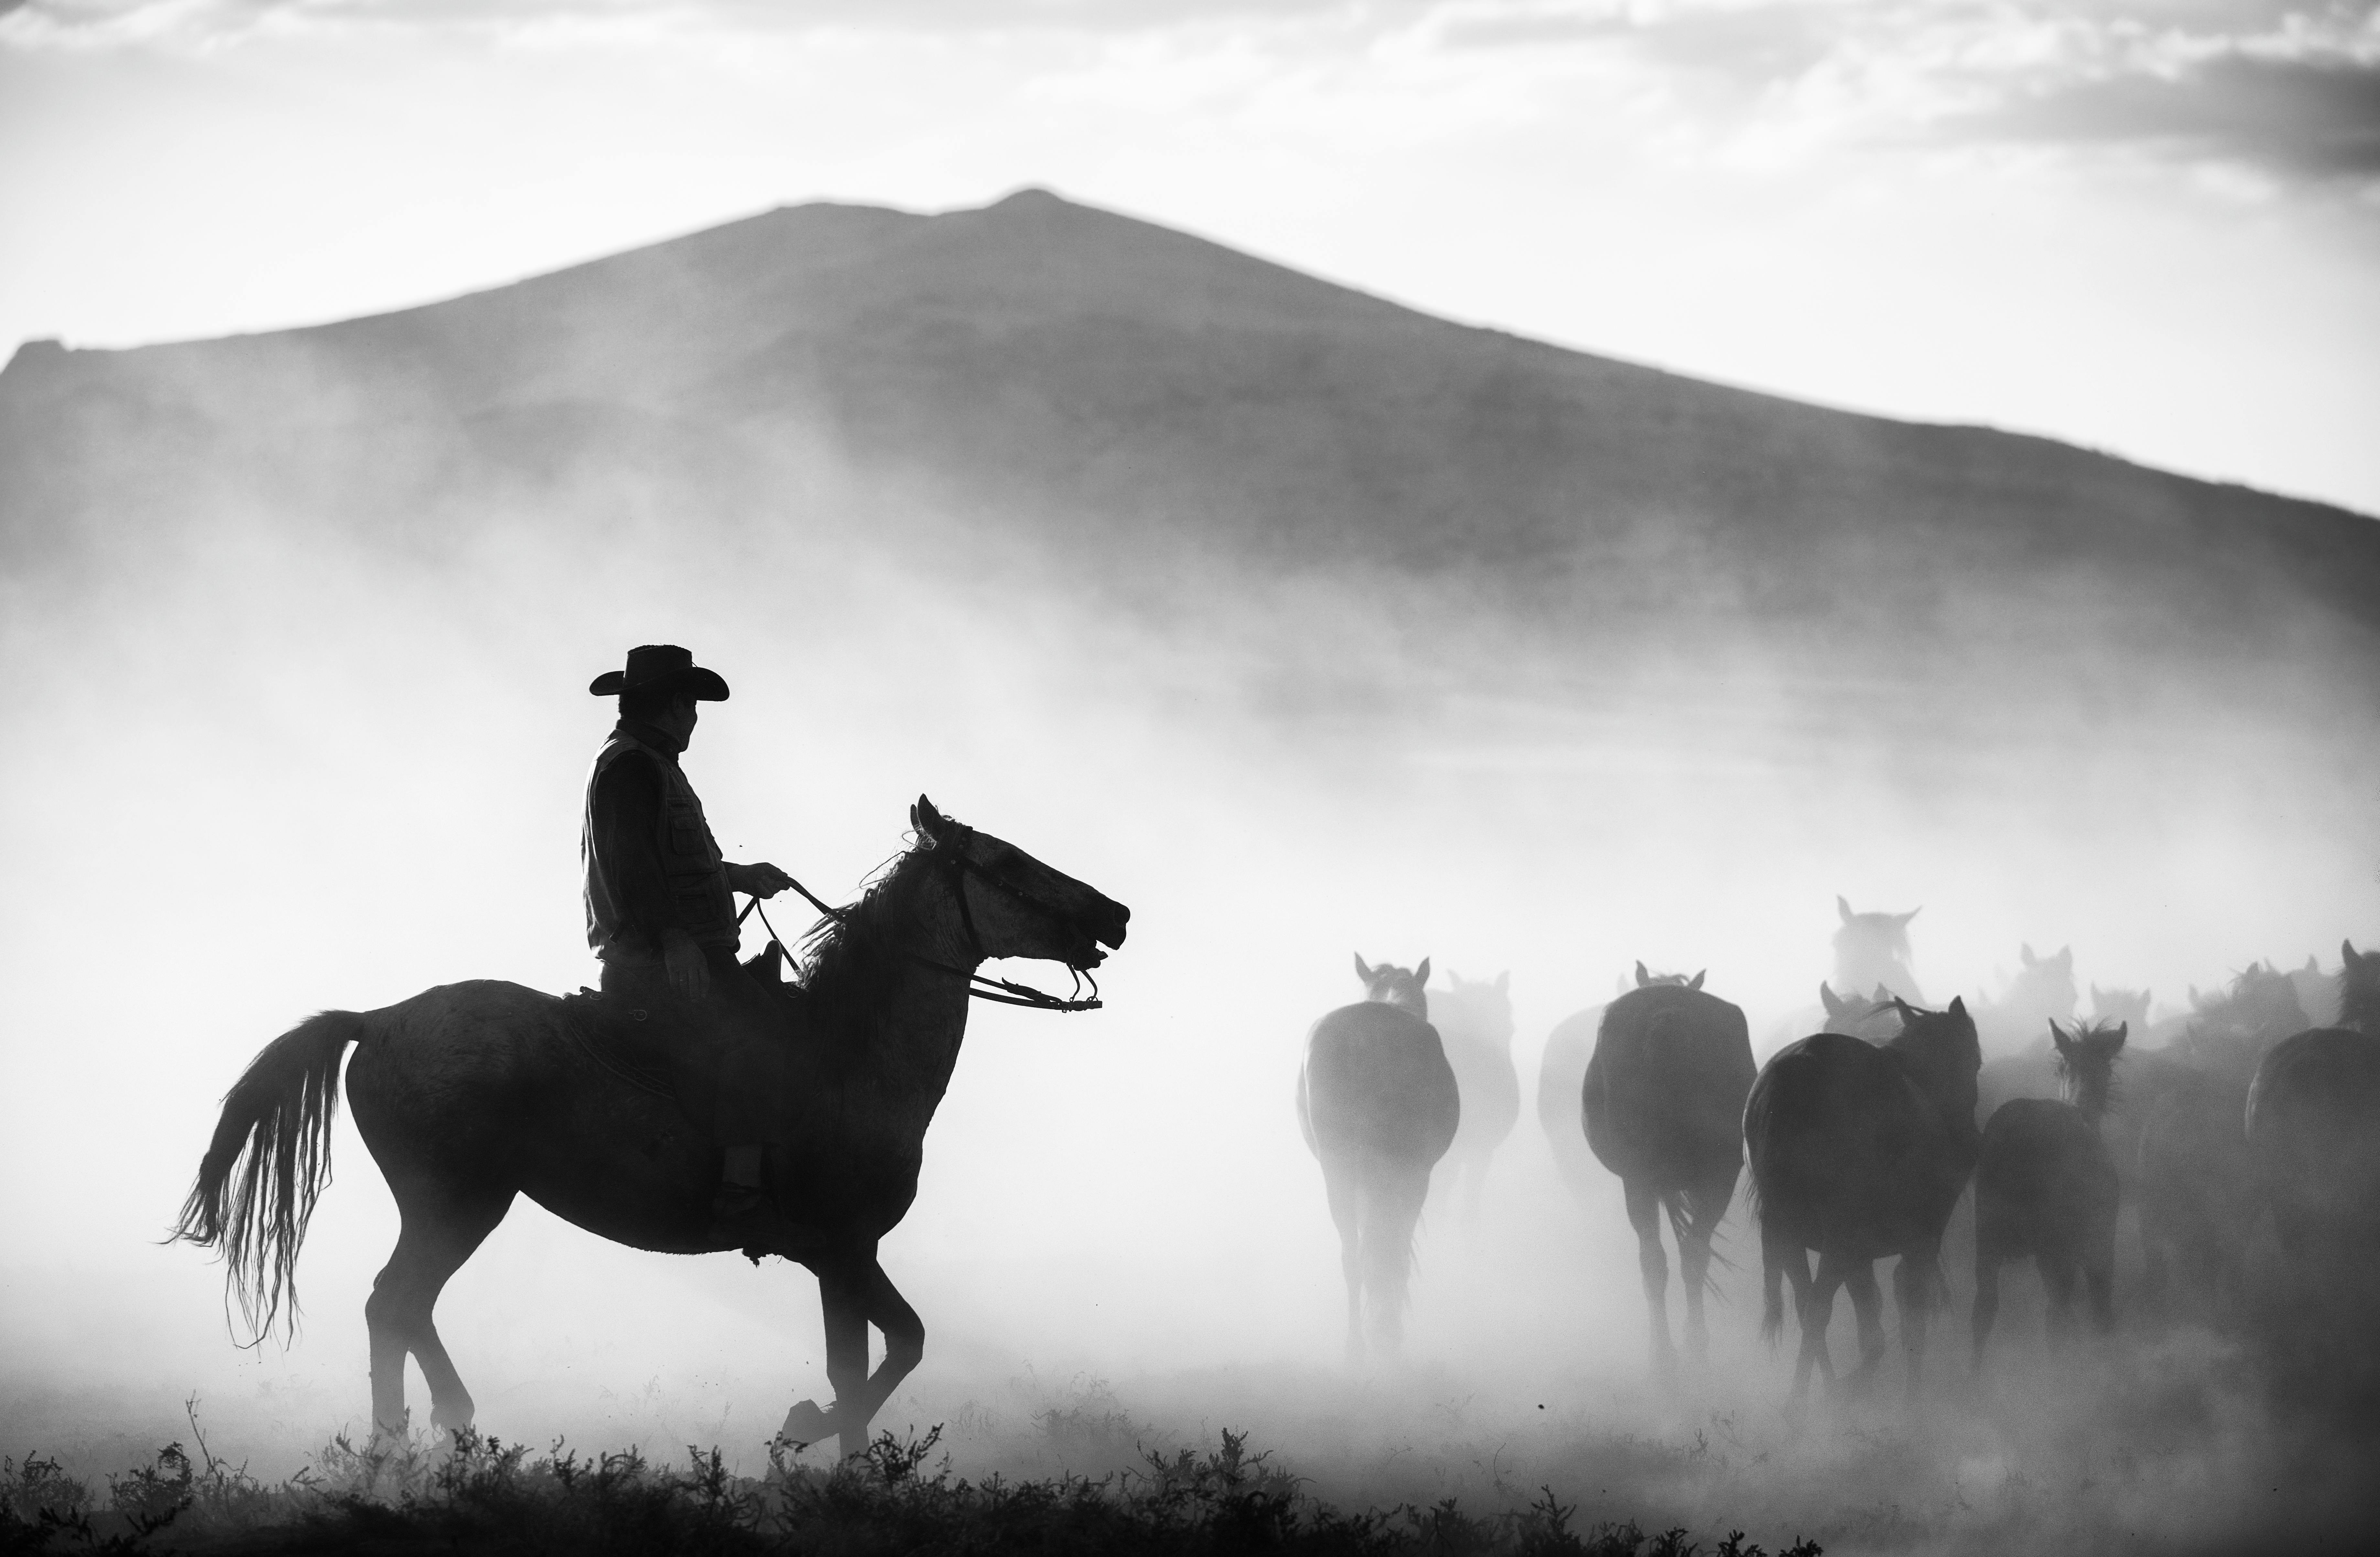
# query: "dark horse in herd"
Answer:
x=471 y=1094
x=1378 y=1106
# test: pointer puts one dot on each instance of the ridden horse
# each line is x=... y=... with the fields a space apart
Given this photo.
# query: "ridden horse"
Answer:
x=470 y=1094
x=1663 y=1109
x=1378 y=1106
x=2313 y=1136
x=2045 y=1186
x=1858 y=1152
x=1474 y=1023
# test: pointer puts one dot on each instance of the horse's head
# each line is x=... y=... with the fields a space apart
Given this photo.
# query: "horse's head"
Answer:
x=1010 y=905
x=1647 y=979
x=1394 y=986
x=2120 y=1006
x=1942 y=1048
x=2086 y=1062
x=1858 y=1016
x=2045 y=987
x=1872 y=947
x=2359 y=989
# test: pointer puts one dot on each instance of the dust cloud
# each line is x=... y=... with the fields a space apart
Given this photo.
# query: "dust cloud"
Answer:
x=267 y=765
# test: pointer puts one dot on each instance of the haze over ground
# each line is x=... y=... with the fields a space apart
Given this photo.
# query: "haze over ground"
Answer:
x=976 y=505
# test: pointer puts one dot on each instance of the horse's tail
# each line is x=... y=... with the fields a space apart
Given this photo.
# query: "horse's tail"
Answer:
x=270 y=1157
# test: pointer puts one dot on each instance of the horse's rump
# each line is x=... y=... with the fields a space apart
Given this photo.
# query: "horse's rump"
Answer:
x=1841 y=1143
x=1376 y=1082
x=1665 y=1089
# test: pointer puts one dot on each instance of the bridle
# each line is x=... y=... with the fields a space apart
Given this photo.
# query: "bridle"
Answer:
x=954 y=839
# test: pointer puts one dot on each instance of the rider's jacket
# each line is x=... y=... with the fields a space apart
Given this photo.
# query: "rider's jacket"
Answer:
x=651 y=862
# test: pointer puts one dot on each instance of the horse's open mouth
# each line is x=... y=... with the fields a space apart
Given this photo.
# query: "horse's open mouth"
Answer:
x=1107 y=930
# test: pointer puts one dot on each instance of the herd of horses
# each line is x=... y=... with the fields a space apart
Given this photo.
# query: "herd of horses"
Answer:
x=2244 y=1130
x=1861 y=1137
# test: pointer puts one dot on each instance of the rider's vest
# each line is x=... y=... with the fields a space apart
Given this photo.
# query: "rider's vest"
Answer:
x=691 y=864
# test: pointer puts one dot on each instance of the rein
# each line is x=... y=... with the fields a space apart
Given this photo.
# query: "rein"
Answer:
x=999 y=990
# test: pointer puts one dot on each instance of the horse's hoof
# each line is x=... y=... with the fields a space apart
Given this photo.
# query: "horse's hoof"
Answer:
x=805 y=1424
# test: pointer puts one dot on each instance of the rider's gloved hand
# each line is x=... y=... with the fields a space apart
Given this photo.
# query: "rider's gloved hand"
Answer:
x=761 y=880
x=690 y=974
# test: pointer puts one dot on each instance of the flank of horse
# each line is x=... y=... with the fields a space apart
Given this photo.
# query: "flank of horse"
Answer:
x=2045 y=1186
x=2313 y=1136
x=1561 y=1071
x=1474 y=1018
x=470 y=1094
x=1378 y=1106
x=1859 y=1152
x=1663 y=1109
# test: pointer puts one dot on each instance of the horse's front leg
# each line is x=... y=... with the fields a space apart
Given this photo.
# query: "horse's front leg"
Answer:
x=852 y=1296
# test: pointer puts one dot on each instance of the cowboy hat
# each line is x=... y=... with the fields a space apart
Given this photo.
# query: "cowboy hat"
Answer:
x=654 y=665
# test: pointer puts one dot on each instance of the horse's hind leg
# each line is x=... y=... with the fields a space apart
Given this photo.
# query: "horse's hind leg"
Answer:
x=1705 y=1205
x=1867 y=1306
x=441 y=1230
x=1343 y=1185
x=1652 y=1264
x=1394 y=1194
x=1914 y=1289
x=1817 y=1309
x=2058 y=1280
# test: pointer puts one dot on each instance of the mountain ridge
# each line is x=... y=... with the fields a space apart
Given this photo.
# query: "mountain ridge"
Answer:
x=1107 y=390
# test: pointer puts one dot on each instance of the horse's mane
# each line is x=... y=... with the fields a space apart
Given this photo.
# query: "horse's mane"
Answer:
x=849 y=955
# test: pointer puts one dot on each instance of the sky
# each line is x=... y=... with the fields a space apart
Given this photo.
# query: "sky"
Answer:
x=2150 y=226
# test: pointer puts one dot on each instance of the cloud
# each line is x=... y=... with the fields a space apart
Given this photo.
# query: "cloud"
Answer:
x=2292 y=87
x=2311 y=118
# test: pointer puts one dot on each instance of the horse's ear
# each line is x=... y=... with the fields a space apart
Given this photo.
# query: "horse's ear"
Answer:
x=2123 y=1032
x=2065 y=958
x=1958 y=1006
x=1843 y=908
x=1697 y=981
x=925 y=819
x=1504 y=982
x=2057 y=1036
x=2348 y=954
x=1831 y=1001
x=2024 y=950
x=1421 y=974
x=1910 y=914
x=2312 y=965
x=1363 y=970
x=1642 y=978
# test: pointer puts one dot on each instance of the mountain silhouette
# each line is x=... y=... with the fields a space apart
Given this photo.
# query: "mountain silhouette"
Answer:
x=1153 y=411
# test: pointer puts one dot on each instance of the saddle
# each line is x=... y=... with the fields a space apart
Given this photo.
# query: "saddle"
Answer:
x=665 y=1047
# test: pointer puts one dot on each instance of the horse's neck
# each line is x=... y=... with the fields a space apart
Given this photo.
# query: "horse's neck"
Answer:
x=902 y=996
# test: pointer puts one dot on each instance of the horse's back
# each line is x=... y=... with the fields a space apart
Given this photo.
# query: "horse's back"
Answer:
x=1376 y=1082
x=1665 y=1088
x=483 y=1040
